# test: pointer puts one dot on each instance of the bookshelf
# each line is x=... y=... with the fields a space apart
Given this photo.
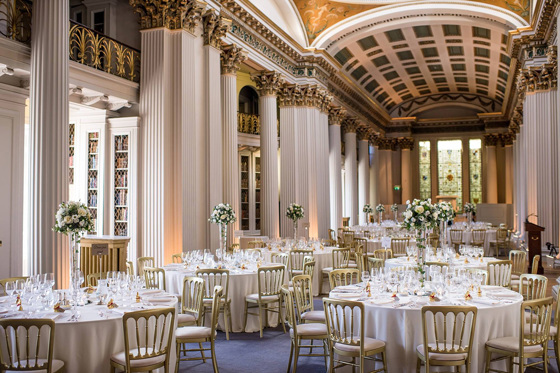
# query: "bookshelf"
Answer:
x=120 y=175
x=93 y=177
x=250 y=189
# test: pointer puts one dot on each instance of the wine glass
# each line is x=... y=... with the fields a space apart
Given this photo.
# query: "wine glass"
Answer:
x=49 y=279
x=365 y=277
x=10 y=288
x=219 y=254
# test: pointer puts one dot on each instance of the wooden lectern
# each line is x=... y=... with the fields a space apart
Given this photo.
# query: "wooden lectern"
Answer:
x=534 y=244
x=100 y=254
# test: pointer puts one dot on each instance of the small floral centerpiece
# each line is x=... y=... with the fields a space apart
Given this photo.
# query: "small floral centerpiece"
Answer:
x=295 y=212
x=470 y=210
x=395 y=208
x=420 y=215
x=446 y=214
x=73 y=219
x=380 y=210
x=367 y=210
x=223 y=215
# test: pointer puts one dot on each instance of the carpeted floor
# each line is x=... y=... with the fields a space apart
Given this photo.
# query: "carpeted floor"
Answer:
x=246 y=352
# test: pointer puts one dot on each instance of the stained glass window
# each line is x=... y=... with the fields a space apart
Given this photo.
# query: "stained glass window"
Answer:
x=425 y=169
x=450 y=169
x=475 y=170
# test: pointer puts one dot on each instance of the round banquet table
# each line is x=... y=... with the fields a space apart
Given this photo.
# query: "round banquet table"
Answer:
x=241 y=284
x=403 y=262
x=401 y=328
x=467 y=238
x=88 y=344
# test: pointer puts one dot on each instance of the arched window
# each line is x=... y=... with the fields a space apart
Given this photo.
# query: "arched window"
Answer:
x=248 y=101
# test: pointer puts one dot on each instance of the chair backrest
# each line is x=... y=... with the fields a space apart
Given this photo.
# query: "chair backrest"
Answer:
x=4 y=281
x=374 y=263
x=233 y=247
x=340 y=258
x=345 y=322
x=296 y=259
x=144 y=261
x=532 y=286
x=270 y=280
x=535 y=266
x=212 y=278
x=535 y=322
x=398 y=245
x=501 y=235
x=345 y=276
x=93 y=278
x=456 y=236
x=309 y=268
x=193 y=293
x=348 y=239
x=332 y=235
x=361 y=262
x=303 y=293
x=177 y=258
x=519 y=261
x=280 y=258
x=130 y=268
x=256 y=244
x=216 y=300
x=22 y=342
x=360 y=241
x=253 y=251
x=345 y=221
x=499 y=273
x=155 y=278
x=148 y=334
x=291 y=316
x=478 y=237
x=452 y=329
x=383 y=254
x=433 y=240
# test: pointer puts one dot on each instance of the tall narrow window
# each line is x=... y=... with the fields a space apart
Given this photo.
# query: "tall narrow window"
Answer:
x=99 y=21
x=475 y=170
x=425 y=170
x=121 y=185
x=450 y=180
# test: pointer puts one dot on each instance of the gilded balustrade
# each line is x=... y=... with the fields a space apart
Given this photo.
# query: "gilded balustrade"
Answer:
x=248 y=123
x=15 y=20
x=101 y=52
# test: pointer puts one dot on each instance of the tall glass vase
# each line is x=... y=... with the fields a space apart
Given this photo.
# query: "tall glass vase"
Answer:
x=295 y=229
x=421 y=245
x=442 y=234
x=469 y=217
x=223 y=237
x=380 y=217
x=367 y=218
x=395 y=216
x=74 y=248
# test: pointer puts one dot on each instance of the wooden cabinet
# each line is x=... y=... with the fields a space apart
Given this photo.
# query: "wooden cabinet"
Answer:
x=250 y=188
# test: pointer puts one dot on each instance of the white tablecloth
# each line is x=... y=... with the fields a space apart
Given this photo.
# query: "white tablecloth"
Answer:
x=403 y=262
x=467 y=238
x=241 y=284
x=88 y=344
x=401 y=329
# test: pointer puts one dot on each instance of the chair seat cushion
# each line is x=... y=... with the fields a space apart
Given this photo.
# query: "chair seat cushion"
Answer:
x=56 y=365
x=266 y=298
x=208 y=301
x=183 y=318
x=193 y=332
x=553 y=331
x=352 y=265
x=511 y=344
x=369 y=345
x=327 y=269
x=440 y=356
x=297 y=272
x=313 y=316
x=309 y=330
x=120 y=358
x=514 y=277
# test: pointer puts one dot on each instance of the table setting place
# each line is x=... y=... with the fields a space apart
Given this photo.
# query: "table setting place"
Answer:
x=112 y=297
x=243 y=261
x=404 y=288
x=468 y=256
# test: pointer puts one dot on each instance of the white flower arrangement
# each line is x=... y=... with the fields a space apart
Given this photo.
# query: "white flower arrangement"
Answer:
x=470 y=207
x=446 y=212
x=394 y=207
x=380 y=208
x=368 y=209
x=222 y=214
x=295 y=212
x=420 y=215
x=73 y=218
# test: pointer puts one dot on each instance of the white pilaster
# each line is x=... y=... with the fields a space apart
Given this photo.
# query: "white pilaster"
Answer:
x=289 y=163
x=351 y=174
x=406 y=145
x=363 y=172
x=303 y=167
x=491 y=170
x=374 y=175
x=335 y=165
x=311 y=113
x=323 y=177
x=48 y=172
x=509 y=172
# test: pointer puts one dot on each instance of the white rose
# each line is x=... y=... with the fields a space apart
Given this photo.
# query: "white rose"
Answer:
x=82 y=223
x=82 y=212
x=419 y=209
x=67 y=219
x=408 y=214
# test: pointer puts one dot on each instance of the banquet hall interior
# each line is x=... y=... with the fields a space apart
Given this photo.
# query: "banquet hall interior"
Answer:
x=272 y=185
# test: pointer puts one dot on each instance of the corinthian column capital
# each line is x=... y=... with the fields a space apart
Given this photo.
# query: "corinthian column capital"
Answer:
x=363 y=133
x=215 y=28
x=231 y=58
x=268 y=82
x=406 y=143
x=289 y=95
x=336 y=115
x=350 y=125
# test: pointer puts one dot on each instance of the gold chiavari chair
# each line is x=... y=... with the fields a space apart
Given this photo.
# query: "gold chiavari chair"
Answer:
x=269 y=284
x=519 y=263
x=343 y=277
x=191 y=302
x=433 y=240
x=303 y=332
x=155 y=278
x=361 y=260
x=346 y=330
x=340 y=259
x=332 y=235
x=201 y=334
x=375 y=263
x=28 y=345
x=453 y=328
x=233 y=247
x=554 y=336
x=309 y=268
x=296 y=261
x=280 y=258
x=348 y=239
x=359 y=242
x=147 y=340
x=398 y=245
x=130 y=268
x=499 y=273
x=478 y=236
x=501 y=241
x=456 y=236
x=531 y=342
x=340 y=237
x=532 y=287
x=93 y=278
x=256 y=245
x=144 y=261
x=177 y=258
x=212 y=278
x=346 y=222
x=383 y=254
x=535 y=266
x=4 y=281
x=303 y=293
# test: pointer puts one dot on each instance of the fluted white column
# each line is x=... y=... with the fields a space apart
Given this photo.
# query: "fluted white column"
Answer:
x=374 y=174
x=351 y=172
x=289 y=162
x=48 y=171
x=363 y=172
x=323 y=177
x=268 y=84
x=491 y=169
x=232 y=56
x=509 y=171
x=335 y=164
x=406 y=146
x=311 y=113
x=303 y=166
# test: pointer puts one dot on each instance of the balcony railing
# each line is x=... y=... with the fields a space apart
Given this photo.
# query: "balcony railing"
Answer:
x=248 y=123
x=101 y=52
x=15 y=20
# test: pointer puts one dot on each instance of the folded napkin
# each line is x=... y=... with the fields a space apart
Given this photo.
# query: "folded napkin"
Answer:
x=111 y=305
x=349 y=287
x=151 y=292
x=491 y=287
x=347 y=295
x=160 y=300
x=485 y=301
x=506 y=294
x=58 y=308
x=382 y=301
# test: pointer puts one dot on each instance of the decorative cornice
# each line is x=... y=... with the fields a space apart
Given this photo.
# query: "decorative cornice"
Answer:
x=325 y=99
x=215 y=28
x=231 y=58
x=336 y=115
x=516 y=119
x=491 y=139
x=350 y=125
x=406 y=143
x=363 y=133
x=268 y=82
x=151 y=12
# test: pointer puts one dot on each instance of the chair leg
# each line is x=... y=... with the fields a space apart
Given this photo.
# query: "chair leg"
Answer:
x=545 y=357
x=418 y=365
x=361 y=364
x=245 y=317
x=326 y=352
x=214 y=361
x=291 y=355
x=226 y=318
x=280 y=317
x=178 y=346
x=296 y=354
x=488 y=356
x=557 y=353
x=321 y=278
x=521 y=365
x=260 y=320
x=384 y=358
x=201 y=352
x=331 y=358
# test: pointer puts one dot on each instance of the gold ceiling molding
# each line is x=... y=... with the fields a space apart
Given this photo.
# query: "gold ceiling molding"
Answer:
x=336 y=115
x=215 y=28
x=231 y=58
x=268 y=82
